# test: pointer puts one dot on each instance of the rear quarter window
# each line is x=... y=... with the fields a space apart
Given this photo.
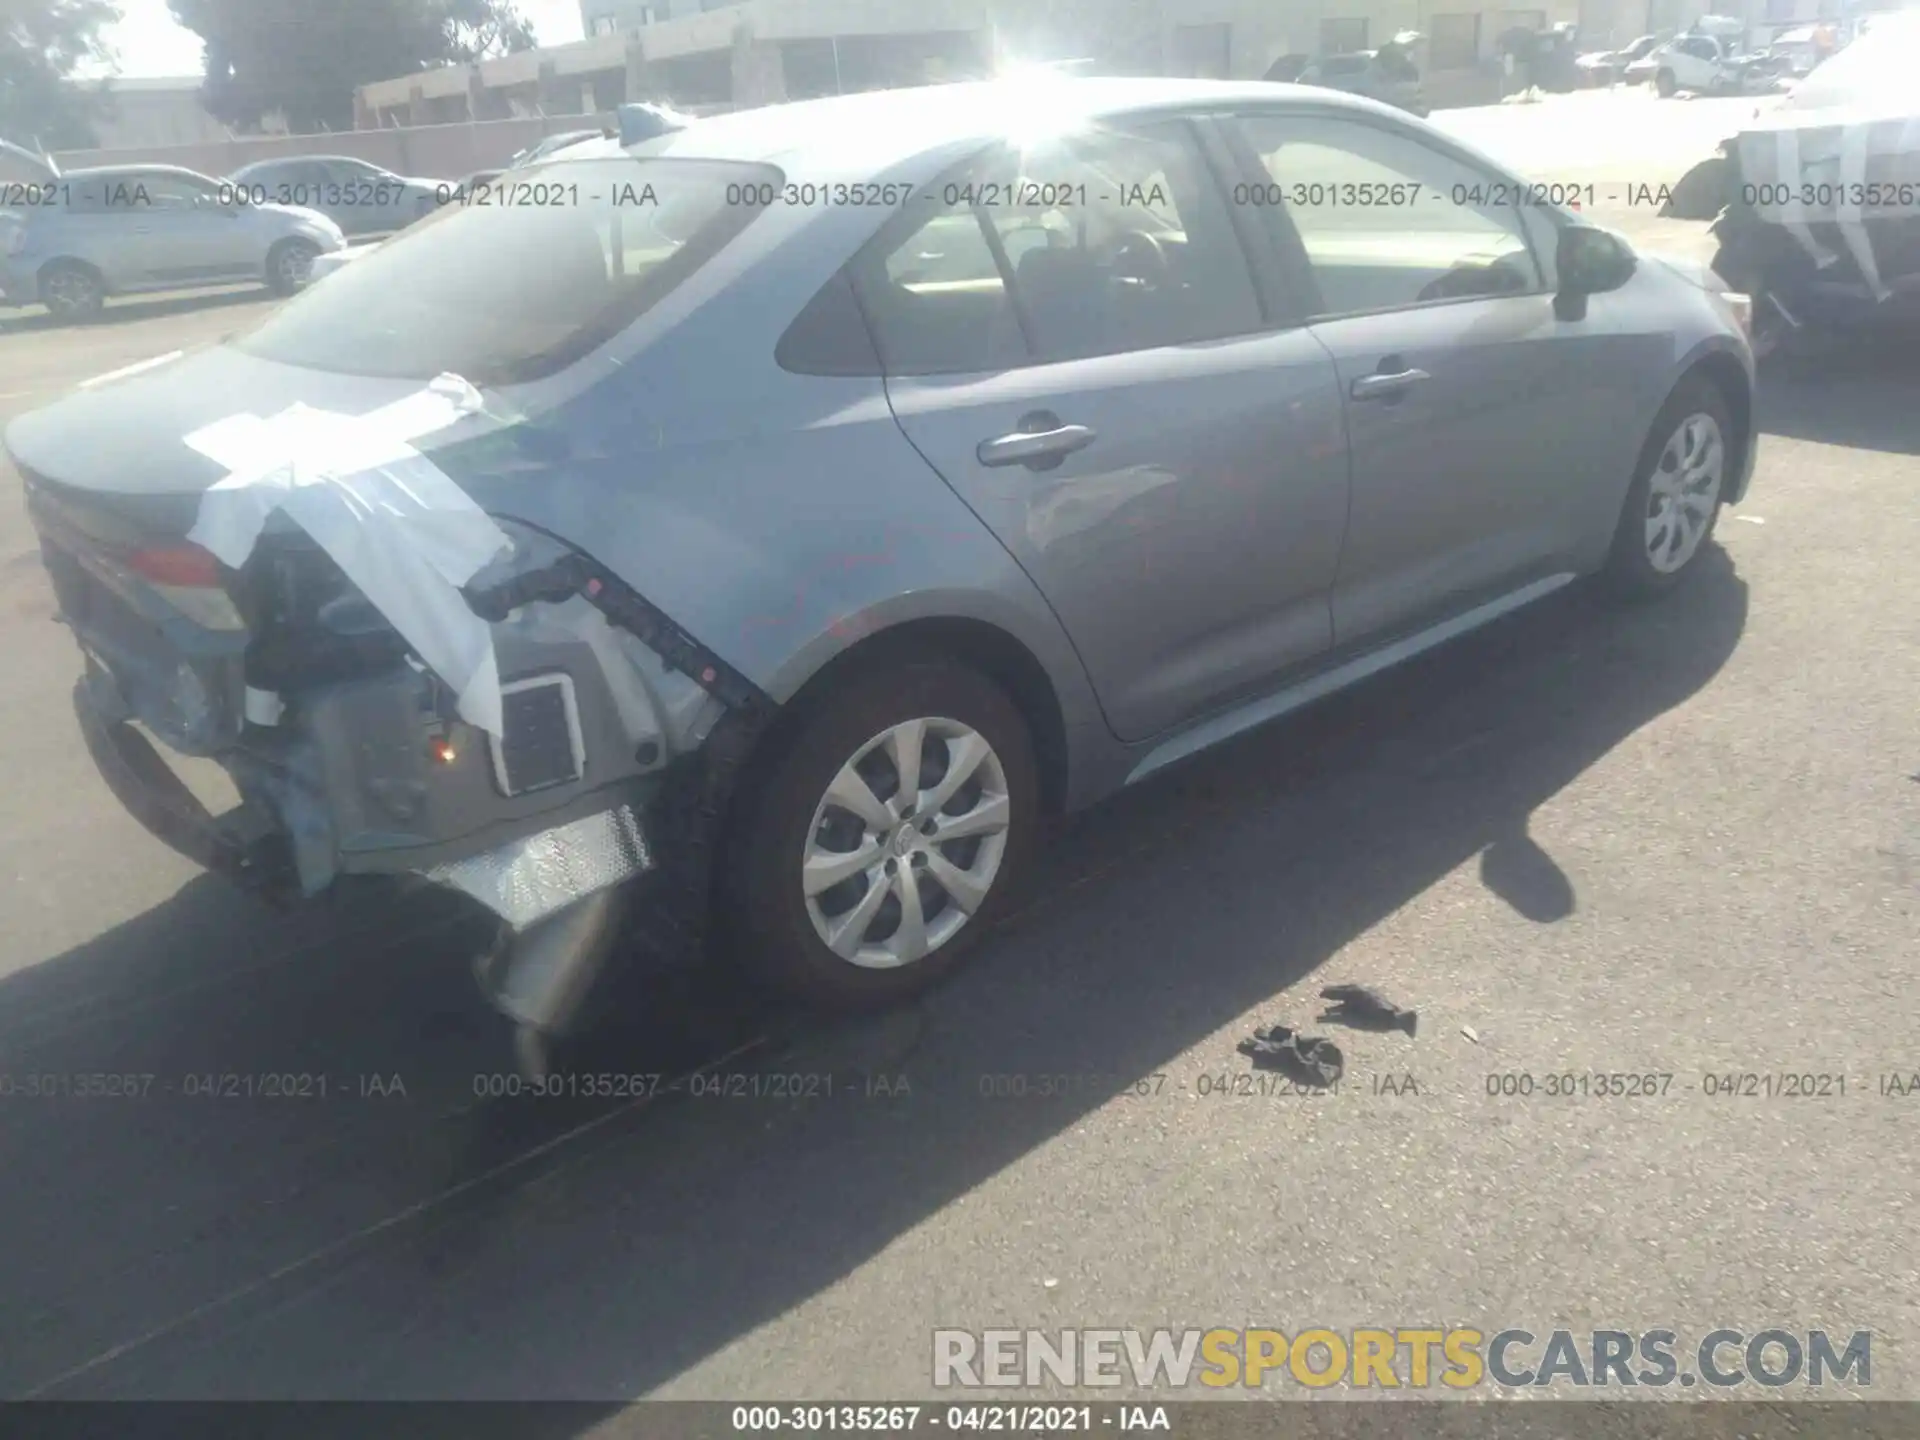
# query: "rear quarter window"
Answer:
x=830 y=337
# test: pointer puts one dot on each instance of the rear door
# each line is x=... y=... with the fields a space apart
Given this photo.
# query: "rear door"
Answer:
x=1075 y=341
x=1483 y=429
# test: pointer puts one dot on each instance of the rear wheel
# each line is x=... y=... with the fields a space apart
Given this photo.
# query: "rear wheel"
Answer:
x=1674 y=502
x=1665 y=85
x=290 y=266
x=72 y=291
x=890 y=836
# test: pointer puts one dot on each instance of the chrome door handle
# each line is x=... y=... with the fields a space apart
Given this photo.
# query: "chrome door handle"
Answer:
x=1386 y=387
x=1023 y=447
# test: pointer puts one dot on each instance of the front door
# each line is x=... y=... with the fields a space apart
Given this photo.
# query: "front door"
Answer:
x=1074 y=341
x=1483 y=430
x=176 y=230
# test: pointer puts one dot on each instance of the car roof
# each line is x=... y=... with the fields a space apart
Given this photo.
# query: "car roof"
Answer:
x=151 y=172
x=879 y=131
x=295 y=159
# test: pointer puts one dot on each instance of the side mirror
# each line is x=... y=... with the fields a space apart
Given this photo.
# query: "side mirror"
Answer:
x=1589 y=261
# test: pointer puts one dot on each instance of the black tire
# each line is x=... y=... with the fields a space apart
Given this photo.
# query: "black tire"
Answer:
x=280 y=280
x=1665 y=85
x=72 y=291
x=768 y=916
x=1630 y=571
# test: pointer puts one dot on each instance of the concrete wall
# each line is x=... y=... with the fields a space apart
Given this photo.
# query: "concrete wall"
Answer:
x=434 y=151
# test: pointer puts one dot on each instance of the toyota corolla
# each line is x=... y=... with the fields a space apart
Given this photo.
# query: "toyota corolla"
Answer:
x=759 y=530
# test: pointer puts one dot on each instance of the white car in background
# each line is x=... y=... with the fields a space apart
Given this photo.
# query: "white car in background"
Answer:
x=1687 y=62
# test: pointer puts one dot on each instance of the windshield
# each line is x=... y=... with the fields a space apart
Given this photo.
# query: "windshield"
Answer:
x=519 y=279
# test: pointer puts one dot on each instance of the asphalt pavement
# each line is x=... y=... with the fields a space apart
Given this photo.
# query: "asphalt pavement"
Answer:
x=1680 y=840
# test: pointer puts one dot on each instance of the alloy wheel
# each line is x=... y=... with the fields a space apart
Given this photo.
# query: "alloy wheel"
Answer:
x=906 y=843
x=1683 y=491
x=295 y=265
x=70 y=292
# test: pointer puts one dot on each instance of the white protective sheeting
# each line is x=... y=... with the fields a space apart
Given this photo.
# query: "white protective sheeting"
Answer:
x=395 y=524
x=1821 y=141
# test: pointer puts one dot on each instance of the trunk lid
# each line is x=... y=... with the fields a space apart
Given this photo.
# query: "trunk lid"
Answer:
x=174 y=639
x=117 y=445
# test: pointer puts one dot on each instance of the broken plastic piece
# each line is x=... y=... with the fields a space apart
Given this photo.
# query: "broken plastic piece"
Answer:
x=1305 y=1059
x=1364 y=1009
x=526 y=880
x=396 y=524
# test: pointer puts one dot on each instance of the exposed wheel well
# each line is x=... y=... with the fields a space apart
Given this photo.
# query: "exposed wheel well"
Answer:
x=70 y=262
x=1723 y=372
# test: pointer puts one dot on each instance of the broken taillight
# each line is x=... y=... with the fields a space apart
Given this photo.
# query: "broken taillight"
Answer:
x=179 y=567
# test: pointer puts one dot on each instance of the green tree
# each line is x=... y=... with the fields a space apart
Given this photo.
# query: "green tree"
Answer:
x=42 y=43
x=305 y=58
x=477 y=29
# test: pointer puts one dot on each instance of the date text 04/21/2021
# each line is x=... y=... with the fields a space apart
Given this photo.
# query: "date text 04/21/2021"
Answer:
x=200 y=1085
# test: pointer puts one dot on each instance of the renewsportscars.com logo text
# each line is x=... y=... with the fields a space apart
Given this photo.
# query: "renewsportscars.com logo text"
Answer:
x=1413 y=1358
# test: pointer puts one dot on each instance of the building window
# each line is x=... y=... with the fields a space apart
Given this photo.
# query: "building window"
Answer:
x=1343 y=35
x=1203 y=51
x=605 y=25
x=1456 y=42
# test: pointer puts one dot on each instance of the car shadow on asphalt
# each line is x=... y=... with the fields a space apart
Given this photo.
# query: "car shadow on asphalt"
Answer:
x=1854 y=391
x=449 y=1245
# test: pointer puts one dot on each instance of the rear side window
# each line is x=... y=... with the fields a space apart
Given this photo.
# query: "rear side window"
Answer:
x=522 y=285
x=1113 y=239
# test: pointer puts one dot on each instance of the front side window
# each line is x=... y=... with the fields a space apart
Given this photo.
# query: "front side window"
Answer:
x=1103 y=241
x=507 y=293
x=352 y=172
x=1387 y=221
x=172 y=192
x=136 y=192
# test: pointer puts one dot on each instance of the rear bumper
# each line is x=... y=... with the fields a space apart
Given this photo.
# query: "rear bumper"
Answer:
x=636 y=870
x=149 y=790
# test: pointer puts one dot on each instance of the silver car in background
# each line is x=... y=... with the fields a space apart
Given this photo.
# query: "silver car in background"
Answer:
x=74 y=239
x=876 y=477
x=358 y=196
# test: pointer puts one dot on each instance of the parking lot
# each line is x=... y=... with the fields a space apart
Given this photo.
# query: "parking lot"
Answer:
x=1681 y=840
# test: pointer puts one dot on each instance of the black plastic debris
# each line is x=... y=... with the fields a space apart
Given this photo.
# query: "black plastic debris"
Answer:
x=1305 y=1059
x=1362 y=1009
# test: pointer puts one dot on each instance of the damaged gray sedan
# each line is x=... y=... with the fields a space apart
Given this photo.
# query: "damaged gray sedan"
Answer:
x=756 y=531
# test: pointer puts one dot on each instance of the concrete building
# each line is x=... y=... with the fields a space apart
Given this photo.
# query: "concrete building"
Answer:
x=705 y=53
x=148 y=112
x=616 y=17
